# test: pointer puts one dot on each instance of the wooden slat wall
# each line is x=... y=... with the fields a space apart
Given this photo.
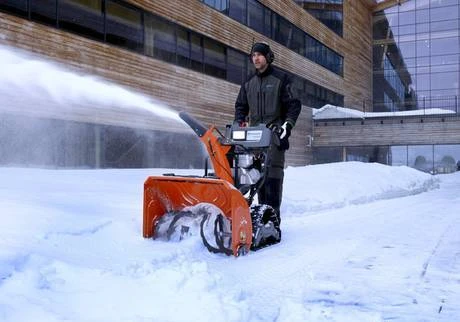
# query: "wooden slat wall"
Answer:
x=398 y=131
x=298 y=153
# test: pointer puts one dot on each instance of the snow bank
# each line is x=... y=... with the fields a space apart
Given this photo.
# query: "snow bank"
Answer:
x=326 y=186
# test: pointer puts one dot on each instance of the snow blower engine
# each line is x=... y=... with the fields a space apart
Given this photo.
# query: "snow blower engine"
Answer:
x=219 y=205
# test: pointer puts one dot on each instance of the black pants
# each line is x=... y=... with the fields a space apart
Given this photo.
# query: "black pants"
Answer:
x=271 y=194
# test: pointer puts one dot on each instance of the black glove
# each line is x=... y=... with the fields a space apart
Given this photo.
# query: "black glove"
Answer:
x=284 y=134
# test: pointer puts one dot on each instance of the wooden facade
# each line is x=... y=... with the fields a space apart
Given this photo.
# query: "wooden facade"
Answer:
x=208 y=98
x=408 y=130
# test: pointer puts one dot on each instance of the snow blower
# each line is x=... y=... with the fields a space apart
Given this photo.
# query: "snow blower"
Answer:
x=219 y=205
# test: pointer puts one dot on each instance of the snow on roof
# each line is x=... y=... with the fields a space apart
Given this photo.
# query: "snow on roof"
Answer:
x=336 y=112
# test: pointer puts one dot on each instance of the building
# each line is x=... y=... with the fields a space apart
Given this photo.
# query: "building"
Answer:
x=193 y=55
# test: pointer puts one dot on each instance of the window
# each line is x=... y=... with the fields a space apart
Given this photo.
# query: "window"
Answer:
x=236 y=66
x=18 y=7
x=124 y=26
x=214 y=58
x=256 y=16
x=283 y=31
x=183 y=47
x=238 y=10
x=298 y=42
x=164 y=40
x=83 y=17
x=196 y=52
x=43 y=11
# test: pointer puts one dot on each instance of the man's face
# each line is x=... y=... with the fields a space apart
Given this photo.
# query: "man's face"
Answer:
x=259 y=61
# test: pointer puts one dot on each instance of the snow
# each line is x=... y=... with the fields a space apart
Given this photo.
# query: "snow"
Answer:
x=30 y=80
x=361 y=242
x=336 y=112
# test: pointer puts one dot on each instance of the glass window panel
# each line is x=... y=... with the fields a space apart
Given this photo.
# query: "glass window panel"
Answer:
x=398 y=155
x=214 y=58
x=283 y=32
x=444 y=68
x=422 y=16
x=164 y=40
x=423 y=48
x=439 y=3
x=236 y=66
x=326 y=155
x=406 y=6
x=406 y=38
x=410 y=62
x=451 y=92
x=84 y=17
x=211 y=3
x=268 y=23
x=196 y=52
x=422 y=82
x=423 y=69
x=446 y=158
x=444 y=13
x=407 y=17
x=422 y=30
x=298 y=42
x=407 y=29
x=183 y=47
x=445 y=46
x=43 y=11
x=222 y=6
x=18 y=7
x=256 y=16
x=124 y=26
x=444 y=59
x=423 y=61
x=238 y=11
x=421 y=157
x=444 y=80
x=445 y=25
x=407 y=49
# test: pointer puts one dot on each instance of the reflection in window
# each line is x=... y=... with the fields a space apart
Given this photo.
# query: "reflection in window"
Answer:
x=43 y=11
x=236 y=66
x=83 y=17
x=164 y=41
x=329 y=12
x=238 y=10
x=196 y=52
x=124 y=26
x=18 y=7
x=446 y=158
x=256 y=16
x=214 y=58
x=183 y=47
x=398 y=155
x=420 y=157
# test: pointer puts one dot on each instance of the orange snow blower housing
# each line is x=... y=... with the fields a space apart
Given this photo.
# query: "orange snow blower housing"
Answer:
x=233 y=178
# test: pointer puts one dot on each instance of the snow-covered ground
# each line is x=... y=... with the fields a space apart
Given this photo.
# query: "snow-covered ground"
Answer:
x=361 y=242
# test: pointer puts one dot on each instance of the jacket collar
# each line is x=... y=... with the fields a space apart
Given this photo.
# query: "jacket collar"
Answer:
x=266 y=72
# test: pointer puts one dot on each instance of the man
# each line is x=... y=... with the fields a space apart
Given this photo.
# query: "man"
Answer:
x=267 y=98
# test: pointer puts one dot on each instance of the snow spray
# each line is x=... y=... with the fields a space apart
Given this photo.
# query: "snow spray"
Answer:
x=26 y=80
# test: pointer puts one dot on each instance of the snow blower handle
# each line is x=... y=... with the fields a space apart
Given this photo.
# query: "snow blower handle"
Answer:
x=196 y=126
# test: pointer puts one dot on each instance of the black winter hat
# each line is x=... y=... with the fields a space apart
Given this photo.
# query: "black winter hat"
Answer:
x=260 y=47
x=264 y=49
